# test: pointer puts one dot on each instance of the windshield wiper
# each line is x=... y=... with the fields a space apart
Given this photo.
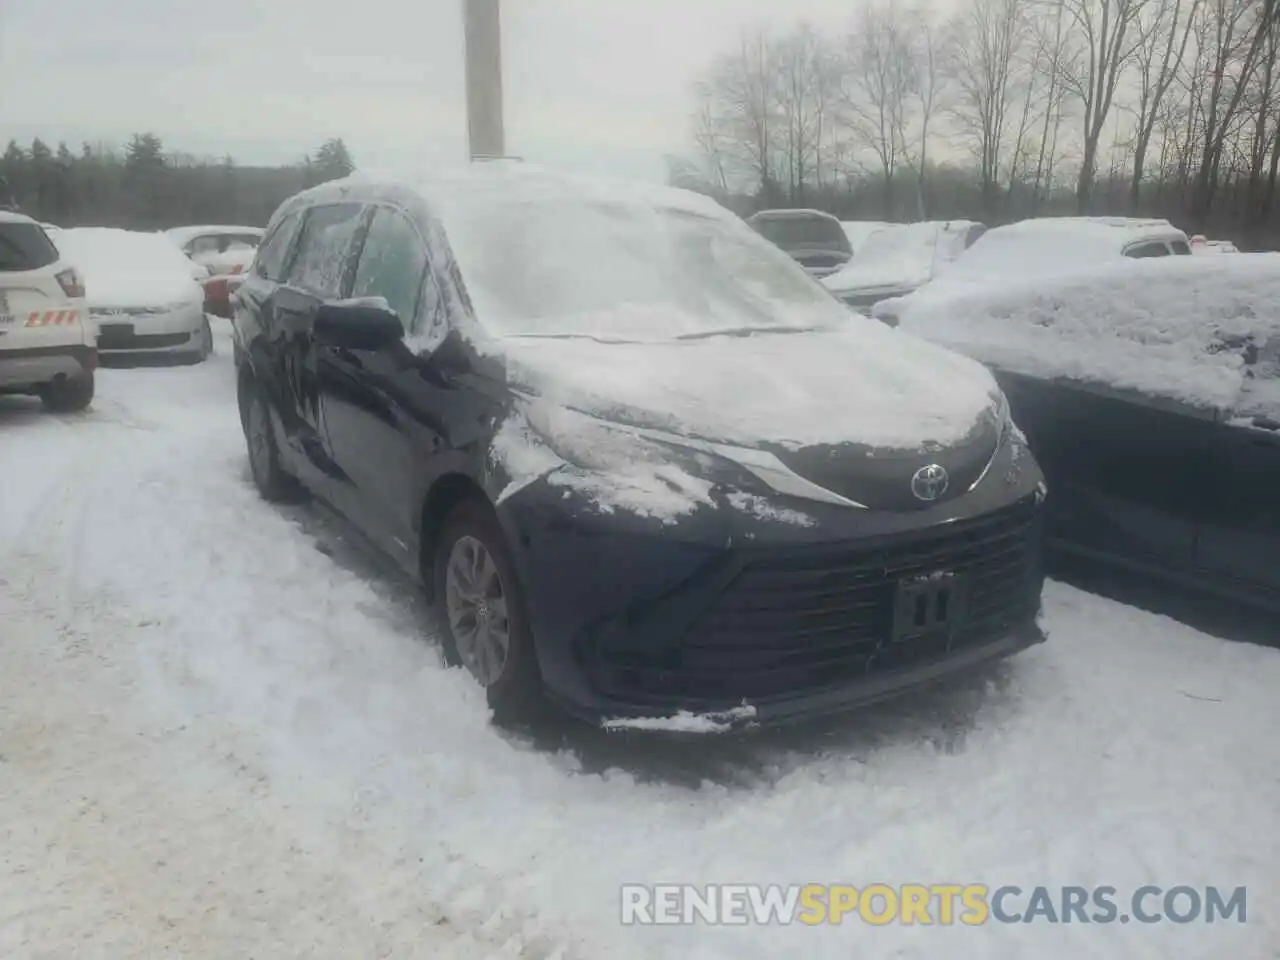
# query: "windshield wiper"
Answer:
x=742 y=332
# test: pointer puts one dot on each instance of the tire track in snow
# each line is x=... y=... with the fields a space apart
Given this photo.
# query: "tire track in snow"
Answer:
x=102 y=642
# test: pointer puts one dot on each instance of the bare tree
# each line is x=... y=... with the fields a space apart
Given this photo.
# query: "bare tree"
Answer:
x=1165 y=27
x=1109 y=35
x=986 y=39
x=1236 y=32
x=739 y=103
x=877 y=90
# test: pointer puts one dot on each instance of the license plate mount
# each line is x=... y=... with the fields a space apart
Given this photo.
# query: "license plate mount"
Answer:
x=928 y=605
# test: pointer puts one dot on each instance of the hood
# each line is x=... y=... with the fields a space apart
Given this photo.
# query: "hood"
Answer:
x=898 y=276
x=861 y=383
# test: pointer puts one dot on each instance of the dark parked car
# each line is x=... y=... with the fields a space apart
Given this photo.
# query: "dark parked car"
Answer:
x=1150 y=393
x=681 y=480
x=815 y=240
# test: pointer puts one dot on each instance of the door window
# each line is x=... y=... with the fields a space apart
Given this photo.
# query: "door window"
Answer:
x=321 y=261
x=1141 y=251
x=270 y=260
x=1181 y=248
x=391 y=264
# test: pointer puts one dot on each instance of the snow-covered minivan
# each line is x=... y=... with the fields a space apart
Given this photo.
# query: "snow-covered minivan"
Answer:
x=47 y=344
x=644 y=464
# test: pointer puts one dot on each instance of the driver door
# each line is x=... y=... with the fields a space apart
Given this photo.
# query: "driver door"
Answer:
x=367 y=393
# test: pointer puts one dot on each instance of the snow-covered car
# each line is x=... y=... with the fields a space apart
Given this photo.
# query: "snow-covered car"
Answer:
x=1043 y=247
x=814 y=239
x=900 y=258
x=222 y=254
x=1150 y=393
x=46 y=339
x=1202 y=245
x=686 y=479
x=142 y=297
x=859 y=231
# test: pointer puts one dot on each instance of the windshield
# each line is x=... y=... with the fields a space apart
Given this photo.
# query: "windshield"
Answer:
x=915 y=242
x=803 y=230
x=626 y=271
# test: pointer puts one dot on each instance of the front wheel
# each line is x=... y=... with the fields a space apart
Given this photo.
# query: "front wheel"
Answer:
x=204 y=342
x=264 y=456
x=482 y=611
x=68 y=395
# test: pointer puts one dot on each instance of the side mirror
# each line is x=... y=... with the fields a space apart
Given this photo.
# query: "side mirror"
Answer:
x=357 y=326
x=451 y=356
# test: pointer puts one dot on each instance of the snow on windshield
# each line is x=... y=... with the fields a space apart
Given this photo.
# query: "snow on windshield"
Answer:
x=624 y=271
x=1178 y=328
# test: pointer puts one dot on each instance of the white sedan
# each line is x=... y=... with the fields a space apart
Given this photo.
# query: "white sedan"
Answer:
x=142 y=296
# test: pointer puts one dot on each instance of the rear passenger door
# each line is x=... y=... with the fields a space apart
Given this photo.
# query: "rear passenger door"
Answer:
x=1241 y=541
x=319 y=271
x=367 y=394
x=1128 y=476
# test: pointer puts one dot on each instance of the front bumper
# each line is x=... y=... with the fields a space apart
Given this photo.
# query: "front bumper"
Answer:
x=173 y=331
x=791 y=622
x=33 y=367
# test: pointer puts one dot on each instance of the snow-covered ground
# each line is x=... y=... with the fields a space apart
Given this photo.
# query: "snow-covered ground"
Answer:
x=223 y=733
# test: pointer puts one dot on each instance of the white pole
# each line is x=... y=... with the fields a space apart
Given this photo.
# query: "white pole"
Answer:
x=484 y=79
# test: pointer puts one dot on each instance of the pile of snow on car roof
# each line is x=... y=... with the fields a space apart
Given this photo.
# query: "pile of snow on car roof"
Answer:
x=1181 y=328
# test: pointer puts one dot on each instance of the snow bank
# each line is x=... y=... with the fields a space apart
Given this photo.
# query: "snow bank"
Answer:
x=1172 y=328
x=123 y=268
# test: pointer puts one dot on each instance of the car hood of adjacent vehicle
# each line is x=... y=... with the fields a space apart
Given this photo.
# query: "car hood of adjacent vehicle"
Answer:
x=860 y=383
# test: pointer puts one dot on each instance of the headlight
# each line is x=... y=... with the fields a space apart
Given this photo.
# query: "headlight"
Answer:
x=592 y=444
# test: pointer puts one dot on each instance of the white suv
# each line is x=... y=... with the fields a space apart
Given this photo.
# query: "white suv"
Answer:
x=48 y=345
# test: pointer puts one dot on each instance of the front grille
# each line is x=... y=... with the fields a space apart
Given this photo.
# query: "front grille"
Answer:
x=794 y=622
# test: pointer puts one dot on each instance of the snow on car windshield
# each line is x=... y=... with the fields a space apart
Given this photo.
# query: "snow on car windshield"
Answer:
x=627 y=271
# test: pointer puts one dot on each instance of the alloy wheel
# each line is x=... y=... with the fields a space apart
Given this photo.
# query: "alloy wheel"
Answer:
x=477 y=607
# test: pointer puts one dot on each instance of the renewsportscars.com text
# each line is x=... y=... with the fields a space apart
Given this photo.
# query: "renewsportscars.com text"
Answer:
x=945 y=904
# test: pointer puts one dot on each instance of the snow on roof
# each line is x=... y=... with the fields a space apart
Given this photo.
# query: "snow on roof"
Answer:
x=495 y=181
x=781 y=214
x=181 y=235
x=126 y=268
x=1171 y=328
x=12 y=216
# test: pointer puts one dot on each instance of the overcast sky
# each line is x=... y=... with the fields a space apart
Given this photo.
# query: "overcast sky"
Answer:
x=599 y=85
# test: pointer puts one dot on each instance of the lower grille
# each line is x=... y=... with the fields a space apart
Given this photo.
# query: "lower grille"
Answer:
x=800 y=621
x=109 y=339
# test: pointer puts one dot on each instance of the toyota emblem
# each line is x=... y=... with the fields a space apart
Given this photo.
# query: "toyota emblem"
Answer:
x=929 y=483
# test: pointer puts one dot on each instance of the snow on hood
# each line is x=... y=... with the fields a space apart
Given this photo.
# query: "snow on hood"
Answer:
x=899 y=257
x=860 y=383
x=123 y=268
x=1173 y=327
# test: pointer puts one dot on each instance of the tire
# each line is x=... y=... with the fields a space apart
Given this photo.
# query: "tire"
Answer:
x=513 y=689
x=205 y=350
x=275 y=485
x=69 y=395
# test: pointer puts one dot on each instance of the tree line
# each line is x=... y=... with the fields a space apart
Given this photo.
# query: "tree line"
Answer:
x=1004 y=109
x=143 y=187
